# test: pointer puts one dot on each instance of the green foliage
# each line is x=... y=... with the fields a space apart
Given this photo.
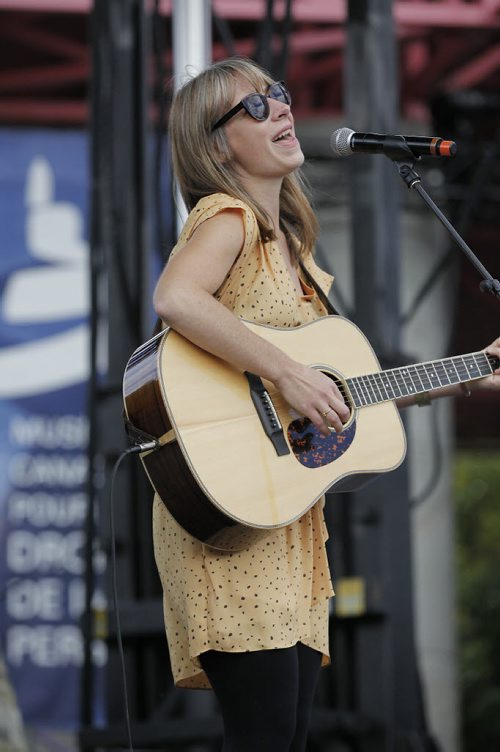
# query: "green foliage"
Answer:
x=477 y=494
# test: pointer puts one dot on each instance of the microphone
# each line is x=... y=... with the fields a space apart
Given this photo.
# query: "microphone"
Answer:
x=345 y=142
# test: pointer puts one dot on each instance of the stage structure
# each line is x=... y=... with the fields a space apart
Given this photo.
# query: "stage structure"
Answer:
x=369 y=701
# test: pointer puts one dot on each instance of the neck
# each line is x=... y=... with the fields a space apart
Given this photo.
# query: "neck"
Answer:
x=382 y=386
x=267 y=194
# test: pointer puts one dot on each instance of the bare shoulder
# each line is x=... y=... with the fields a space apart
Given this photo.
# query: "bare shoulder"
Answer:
x=206 y=258
x=225 y=231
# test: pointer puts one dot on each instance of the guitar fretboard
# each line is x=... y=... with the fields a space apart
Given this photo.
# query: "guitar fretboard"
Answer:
x=383 y=386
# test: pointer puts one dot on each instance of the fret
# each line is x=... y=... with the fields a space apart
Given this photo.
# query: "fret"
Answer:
x=471 y=366
x=462 y=370
x=451 y=371
x=491 y=363
x=412 y=387
x=356 y=385
x=368 y=389
x=415 y=378
x=376 y=389
x=408 y=384
x=486 y=368
x=441 y=372
x=379 y=378
x=352 y=386
x=419 y=386
x=364 y=390
x=388 y=385
x=424 y=377
x=359 y=391
x=455 y=368
x=433 y=377
x=392 y=376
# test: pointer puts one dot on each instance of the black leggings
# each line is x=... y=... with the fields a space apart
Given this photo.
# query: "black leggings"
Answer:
x=265 y=696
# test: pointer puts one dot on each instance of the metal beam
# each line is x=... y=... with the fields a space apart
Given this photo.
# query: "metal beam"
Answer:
x=43 y=112
x=52 y=76
x=474 y=71
x=437 y=13
x=35 y=37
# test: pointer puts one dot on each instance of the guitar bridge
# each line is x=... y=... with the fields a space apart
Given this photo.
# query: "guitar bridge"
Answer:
x=267 y=414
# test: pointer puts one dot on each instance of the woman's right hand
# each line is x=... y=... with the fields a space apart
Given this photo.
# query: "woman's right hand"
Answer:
x=313 y=394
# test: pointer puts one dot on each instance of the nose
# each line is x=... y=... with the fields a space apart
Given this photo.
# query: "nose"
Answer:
x=279 y=109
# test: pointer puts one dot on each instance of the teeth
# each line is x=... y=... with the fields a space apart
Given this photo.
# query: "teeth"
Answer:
x=282 y=136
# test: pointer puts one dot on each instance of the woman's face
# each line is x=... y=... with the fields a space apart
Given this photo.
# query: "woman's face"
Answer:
x=263 y=149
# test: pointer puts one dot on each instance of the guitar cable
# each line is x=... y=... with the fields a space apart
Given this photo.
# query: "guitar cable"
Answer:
x=136 y=449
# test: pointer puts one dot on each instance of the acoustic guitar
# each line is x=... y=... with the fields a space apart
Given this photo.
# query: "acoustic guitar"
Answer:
x=233 y=459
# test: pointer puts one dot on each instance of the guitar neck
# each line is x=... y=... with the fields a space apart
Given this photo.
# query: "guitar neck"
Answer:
x=394 y=383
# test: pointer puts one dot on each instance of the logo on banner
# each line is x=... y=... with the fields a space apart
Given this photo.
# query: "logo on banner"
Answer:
x=54 y=290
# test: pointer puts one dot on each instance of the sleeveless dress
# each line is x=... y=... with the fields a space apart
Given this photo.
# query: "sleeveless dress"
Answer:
x=275 y=593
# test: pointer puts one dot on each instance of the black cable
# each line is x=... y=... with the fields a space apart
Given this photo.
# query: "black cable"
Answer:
x=131 y=450
x=115 y=591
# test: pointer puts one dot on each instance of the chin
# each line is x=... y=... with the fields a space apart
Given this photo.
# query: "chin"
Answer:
x=297 y=161
x=300 y=159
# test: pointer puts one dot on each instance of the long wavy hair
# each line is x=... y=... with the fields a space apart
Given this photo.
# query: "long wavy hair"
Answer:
x=201 y=158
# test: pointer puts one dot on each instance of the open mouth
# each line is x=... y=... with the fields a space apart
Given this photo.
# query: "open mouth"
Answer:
x=283 y=136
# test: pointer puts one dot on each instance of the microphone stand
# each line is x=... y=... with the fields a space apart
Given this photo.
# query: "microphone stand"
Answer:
x=404 y=161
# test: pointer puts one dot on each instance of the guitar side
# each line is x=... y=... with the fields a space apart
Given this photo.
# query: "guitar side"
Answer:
x=166 y=467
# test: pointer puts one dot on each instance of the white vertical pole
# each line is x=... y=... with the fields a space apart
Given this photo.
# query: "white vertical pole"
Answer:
x=192 y=47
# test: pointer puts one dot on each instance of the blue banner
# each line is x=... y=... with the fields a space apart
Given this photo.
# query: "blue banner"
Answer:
x=44 y=367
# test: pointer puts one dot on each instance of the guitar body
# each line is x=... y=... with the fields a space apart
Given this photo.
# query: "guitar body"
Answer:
x=217 y=471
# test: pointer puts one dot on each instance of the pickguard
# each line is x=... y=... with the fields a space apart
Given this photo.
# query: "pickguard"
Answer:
x=312 y=449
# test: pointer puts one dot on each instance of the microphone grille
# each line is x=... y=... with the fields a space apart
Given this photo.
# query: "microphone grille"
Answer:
x=340 y=142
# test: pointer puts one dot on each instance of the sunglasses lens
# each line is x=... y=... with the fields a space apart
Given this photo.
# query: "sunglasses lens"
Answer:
x=257 y=106
x=279 y=92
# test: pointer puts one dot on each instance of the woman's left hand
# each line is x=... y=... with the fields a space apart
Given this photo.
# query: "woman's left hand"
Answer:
x=492 y=381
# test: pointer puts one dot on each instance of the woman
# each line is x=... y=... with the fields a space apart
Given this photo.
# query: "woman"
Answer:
x=253 y=624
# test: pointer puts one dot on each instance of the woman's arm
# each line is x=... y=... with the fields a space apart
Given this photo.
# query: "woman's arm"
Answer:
x=183 y=298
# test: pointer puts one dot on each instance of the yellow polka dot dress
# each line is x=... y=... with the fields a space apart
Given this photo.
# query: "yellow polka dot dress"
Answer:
x=275 y=593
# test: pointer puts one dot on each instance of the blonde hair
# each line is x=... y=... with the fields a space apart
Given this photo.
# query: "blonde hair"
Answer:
x=202 y=161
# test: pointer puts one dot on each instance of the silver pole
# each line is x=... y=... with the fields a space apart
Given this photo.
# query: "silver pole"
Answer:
x=192 y=47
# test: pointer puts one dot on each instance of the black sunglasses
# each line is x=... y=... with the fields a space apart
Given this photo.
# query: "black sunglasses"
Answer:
x=257 y=105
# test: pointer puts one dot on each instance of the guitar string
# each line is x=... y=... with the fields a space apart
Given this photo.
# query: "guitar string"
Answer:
x=447 y=371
